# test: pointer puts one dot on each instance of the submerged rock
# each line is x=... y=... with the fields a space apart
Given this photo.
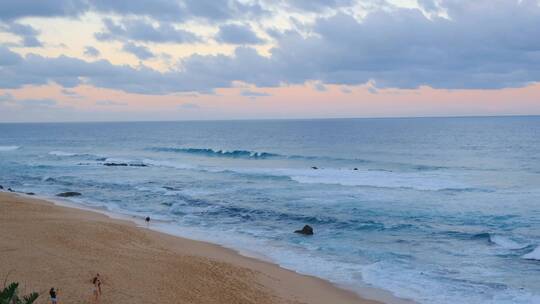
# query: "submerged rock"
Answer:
x=115 y=164
x=314 y=168
x=1 y=188
x=30 y=193
x=307 y=230
x=10 y=190
x=68 y=194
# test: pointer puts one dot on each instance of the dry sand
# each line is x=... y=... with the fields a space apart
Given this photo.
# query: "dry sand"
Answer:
x=43 y=245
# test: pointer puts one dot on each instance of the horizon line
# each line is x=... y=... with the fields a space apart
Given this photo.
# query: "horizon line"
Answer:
x=273 y=119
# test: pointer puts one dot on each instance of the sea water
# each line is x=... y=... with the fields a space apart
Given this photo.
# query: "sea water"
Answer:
x=438 y=210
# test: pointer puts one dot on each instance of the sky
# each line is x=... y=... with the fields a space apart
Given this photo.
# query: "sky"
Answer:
x=102 y=60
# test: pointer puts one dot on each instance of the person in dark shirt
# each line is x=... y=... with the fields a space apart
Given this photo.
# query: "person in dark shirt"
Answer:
x=53 y=294
x=147 y=220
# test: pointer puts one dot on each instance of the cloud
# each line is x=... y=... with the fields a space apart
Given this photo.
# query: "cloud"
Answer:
x=254 y=94
x=139 y=51
x=11 y=10
x=164 y=10
x=320 y=87
x=71 y=94
x=144 y=31
x=27 y=33
x=213 y=10
x=483 y=44
x=91 y=51
x=7 y=57
x=108 y=103
x=7 y=99
x=237 y=34
x=319 y=5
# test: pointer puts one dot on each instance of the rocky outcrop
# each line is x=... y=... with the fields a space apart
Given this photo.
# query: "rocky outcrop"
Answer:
x=68 y=194
x=124 y=165
x=115 y=164
x=307 y=230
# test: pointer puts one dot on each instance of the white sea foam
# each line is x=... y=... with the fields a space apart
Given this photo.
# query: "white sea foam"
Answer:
x=8 y=148
x=167 y=164
x=506 y=242
x=382 y=179
x=533 y=255
x=62 y=153
x=119 y=160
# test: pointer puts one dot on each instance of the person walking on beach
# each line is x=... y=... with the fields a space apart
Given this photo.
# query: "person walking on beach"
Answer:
x=53 y=293
x=97 y=288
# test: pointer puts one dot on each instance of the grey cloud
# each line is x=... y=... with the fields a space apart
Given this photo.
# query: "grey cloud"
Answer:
x=483 y=45
x=428 y=5
x=220 y=10
x=45 y=102
x=139 y=51
x=91 y=51
x=163 y=10
x=27 y=33
x=141 y=30
x=171 y=10
x=237 y=34
x=10 y=100
x=320 y=87
x=7 y=57
x=107 y=103
x=319 y=5
x=71 y=94
x=11 y=10
x=254 y=94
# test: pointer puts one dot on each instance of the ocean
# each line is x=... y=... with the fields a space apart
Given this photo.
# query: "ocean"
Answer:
x=438 y=210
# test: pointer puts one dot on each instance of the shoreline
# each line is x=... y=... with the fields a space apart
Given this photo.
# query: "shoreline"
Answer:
x=281 y=285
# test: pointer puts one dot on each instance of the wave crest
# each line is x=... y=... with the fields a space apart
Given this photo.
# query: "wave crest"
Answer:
x=8 y=148
x=533 y=255
x=219 y=153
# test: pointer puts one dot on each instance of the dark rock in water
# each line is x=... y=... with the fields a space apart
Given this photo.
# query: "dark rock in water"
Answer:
x=314 y=168
x=101 y=159
x=115 y=164
x=138 y=165
x=30 y=193
x=1 y=188
x=68 y=194
x=170 y=188
x=307 y=230
x=10 y=190
x=355 y=169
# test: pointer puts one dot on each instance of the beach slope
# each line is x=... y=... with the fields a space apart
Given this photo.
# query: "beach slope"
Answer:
x=43 y=245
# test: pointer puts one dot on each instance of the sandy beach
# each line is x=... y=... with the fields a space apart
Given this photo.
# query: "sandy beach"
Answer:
x=44 y=245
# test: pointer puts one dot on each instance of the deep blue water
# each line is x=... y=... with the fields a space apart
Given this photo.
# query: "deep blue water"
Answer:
x=439 y=210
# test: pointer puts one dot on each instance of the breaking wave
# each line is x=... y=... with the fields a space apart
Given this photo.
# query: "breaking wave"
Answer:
x=219 y=153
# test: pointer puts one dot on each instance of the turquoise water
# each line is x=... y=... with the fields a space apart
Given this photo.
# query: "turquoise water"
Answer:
x=439 y=210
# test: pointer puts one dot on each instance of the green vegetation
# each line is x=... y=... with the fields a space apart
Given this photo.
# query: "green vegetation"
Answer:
x=9 y=295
